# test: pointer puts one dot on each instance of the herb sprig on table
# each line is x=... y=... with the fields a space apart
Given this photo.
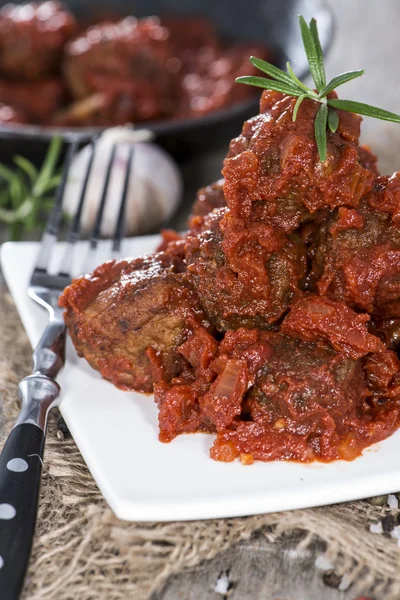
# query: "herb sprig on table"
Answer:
x=287 y=82
x=27 y=193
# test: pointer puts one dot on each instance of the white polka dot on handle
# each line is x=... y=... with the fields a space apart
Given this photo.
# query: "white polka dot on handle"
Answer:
x=1 y=561
x=7 y=512
x=17 y=465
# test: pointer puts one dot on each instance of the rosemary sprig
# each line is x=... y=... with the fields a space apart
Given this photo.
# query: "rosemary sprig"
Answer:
x=288 y=83
x=26 y=195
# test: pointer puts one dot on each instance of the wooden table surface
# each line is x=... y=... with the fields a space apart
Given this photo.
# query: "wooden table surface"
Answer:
x=259 y=570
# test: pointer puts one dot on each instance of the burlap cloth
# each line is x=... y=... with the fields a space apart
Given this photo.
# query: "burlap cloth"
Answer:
x=83 y=552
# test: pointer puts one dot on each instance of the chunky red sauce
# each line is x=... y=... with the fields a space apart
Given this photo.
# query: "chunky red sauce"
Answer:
x=320 y=386
x=273 y=323
x=54 y=73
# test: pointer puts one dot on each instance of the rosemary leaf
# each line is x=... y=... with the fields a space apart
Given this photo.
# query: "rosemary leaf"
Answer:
x=364 y=109
x=312 y=55
x=51 y=184
x=27 y=167
x=268 y=84
x=333 y=120
x=14 y=216
x=320 y=131
x=48 y=167
x=25 y=191
x=288 y=83
x=296 y=80
x=4 y=197
x=318 y=50
x=15 y=192
x=6 y=173
x=271 y=70
x=297 y=106
x=340 y=80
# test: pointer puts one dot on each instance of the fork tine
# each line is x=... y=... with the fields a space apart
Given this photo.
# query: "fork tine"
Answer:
x=119 y=229
x=74 y=230
x=100 y=211
x=73 y=234
x=53 y=222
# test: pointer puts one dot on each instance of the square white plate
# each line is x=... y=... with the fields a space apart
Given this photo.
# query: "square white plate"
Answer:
x=145 y=480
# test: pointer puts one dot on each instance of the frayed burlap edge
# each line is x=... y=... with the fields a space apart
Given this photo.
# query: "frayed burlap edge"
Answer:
x=82 y=551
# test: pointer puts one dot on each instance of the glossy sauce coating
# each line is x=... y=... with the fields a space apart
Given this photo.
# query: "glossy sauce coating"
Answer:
x=115 y=71
x=291 y=303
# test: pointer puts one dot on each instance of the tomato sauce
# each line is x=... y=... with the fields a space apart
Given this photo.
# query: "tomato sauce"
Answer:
x=115 y=71
x=315 y=380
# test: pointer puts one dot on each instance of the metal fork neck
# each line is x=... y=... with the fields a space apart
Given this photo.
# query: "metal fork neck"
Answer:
x=49 y=354
x=39 y=392
x=38 y=395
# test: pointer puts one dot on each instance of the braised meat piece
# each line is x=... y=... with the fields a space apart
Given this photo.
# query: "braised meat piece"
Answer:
x=208 y=79
x=314 y=318
x=32 y=38
x=274 y=183
x=208 y=198
x=130 y=70
x=311 y=403
x=276 y=308
x=129 y=317
x=208 y=66
x=273 y=174
x=388 y=330
x=368 y=159
x=356 y=255
x=270 y=396
x=97 y=110
x=223 y=290
x=146 y=69
x=127 y=63
x=36 y=99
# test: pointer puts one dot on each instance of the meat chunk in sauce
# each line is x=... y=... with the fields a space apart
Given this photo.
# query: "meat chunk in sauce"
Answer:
x=32 y=39
x=225 y=297
x=128 y=70
x=356 y=255
x=287 y=293
x=129 y=317
x=34 y=100
x=317 y=318
x=208 y=199
x=125 y=62
x=270 y=396
x=273 y=174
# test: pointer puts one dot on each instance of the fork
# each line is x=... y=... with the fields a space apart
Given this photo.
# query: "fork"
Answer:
x=21 y=460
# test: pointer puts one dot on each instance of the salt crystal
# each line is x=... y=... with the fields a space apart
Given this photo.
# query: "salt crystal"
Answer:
x=392 y=501
x=376 y=527
x=345 y=583
x=395 y=533
x=294 y=554
x=222 y=585
x=323 y=564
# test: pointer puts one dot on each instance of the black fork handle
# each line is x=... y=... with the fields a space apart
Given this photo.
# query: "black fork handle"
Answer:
x=20 y=476
x=21 y=466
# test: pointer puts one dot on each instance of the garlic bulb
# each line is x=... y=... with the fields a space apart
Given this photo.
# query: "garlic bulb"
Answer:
x=154 y=188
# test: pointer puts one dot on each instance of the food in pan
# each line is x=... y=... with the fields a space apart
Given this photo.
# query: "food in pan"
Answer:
x=53 y=72
x=273 y=322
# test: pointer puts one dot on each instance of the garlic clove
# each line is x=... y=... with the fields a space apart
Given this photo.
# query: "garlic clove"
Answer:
x=154 y=189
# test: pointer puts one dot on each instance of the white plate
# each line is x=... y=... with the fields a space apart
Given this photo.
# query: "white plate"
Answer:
x=144 y=480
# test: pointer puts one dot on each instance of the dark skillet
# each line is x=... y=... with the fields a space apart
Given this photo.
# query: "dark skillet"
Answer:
x=272 y=22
